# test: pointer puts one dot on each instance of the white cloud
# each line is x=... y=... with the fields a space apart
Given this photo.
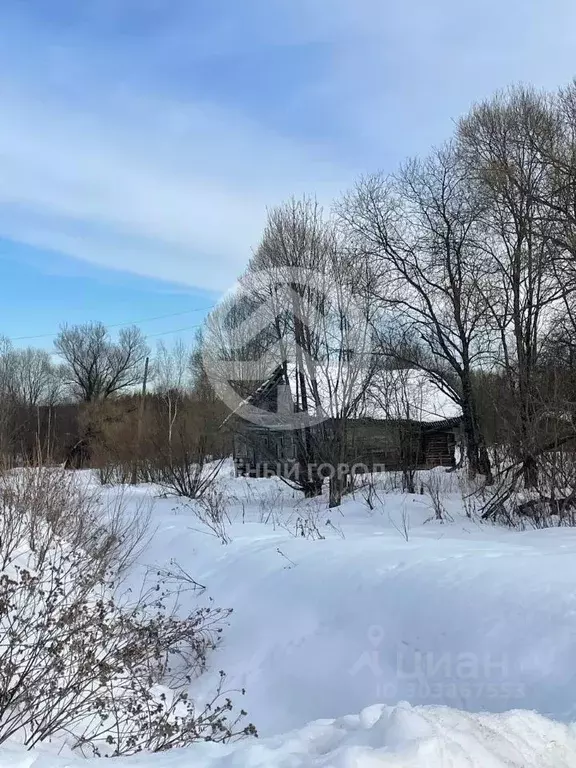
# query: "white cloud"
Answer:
x=166 y=190
x=174 y=188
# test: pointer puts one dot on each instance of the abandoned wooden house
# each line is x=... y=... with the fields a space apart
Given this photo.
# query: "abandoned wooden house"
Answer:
x=403 y=420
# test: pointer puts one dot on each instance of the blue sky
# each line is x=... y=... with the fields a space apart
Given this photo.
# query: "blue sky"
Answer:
x=142 y=140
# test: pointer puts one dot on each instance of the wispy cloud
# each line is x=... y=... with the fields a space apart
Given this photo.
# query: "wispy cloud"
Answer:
x=169 y=190
x=160 y=181
x=150 y=137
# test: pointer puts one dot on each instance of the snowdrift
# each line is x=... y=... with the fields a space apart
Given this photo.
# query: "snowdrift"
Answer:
x=474 y=625
x=463 y=615
x=379 y=737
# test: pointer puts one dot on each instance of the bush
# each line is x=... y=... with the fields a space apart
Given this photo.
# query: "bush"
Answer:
x=211 y=509
x=76 y=663
x=42 y=506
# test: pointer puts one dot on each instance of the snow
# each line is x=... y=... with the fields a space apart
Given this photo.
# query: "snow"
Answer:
x=379 y=737
x=473 y=625
x=412 y=394
x=460 y=614
x=389 y=394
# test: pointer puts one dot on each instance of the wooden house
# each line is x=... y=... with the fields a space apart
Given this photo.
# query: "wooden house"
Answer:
x=403 y=420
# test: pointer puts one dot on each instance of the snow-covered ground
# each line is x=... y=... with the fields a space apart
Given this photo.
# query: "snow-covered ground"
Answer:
x=379 y=737
x=369 y=609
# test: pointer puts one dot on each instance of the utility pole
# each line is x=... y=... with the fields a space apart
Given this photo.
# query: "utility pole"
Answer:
x=136 y=458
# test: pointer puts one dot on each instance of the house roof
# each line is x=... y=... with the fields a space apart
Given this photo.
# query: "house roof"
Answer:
x=412 y=394
x=404 y=394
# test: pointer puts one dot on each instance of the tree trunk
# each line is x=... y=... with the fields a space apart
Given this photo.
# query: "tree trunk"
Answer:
x=312 y=487
x=408 y=477
x=485 y=465
x=476 y=451
x=530 y=472
x=337 y=485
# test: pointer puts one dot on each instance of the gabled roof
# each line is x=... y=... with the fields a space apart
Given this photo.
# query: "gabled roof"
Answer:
x=413 y=394
x=398 y=395
x=275 y=378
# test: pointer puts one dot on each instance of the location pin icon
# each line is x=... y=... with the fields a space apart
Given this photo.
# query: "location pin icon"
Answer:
x=375 y=635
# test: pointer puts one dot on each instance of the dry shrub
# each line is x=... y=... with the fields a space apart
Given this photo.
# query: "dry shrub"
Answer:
x=111 y=432
x=211 y=509
x=436 y=486
x=552 y=503
x=186 y=461
x=47 y=504
x=107 y=675
x=180 y=449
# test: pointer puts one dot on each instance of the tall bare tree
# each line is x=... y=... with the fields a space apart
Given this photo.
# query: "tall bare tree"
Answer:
x=320 y=326
x=7 y=400
x=172 y=378
x=505 y=142
x=421 y=229
x=34 y=378
x=97 y=367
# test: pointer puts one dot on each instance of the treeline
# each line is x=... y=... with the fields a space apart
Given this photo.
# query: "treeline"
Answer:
x=109 y=404
x=462 y=265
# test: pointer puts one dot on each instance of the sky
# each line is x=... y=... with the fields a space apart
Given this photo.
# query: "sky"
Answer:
x=142 y=141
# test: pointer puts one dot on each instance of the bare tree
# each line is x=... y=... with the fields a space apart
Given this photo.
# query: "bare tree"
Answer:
x=96 y=366
x=235 y=356
x=320 y=331
x=34 y=378
x=7 y=400
x=422 y=227
x=501 y=141
x=400 y=396
x=171 y=375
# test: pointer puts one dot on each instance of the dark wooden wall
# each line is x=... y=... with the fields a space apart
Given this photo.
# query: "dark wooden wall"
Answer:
x=394 y=444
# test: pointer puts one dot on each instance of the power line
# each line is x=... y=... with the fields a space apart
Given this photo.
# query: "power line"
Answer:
x=130 y=322
x=176 y=330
